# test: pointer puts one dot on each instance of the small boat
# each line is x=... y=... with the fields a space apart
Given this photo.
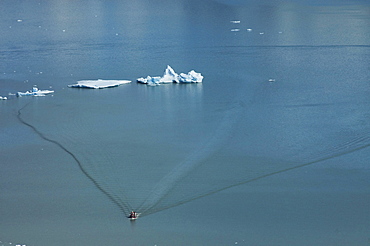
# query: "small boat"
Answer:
x=133 y=215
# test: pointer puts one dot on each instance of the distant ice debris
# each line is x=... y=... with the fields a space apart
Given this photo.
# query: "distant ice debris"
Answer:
x=235 y=21
x=3 y=98
x=99 y=84
x=272 y=80
x=235 y=30
x=249 y=29
x=35 y=92
x=170 y=76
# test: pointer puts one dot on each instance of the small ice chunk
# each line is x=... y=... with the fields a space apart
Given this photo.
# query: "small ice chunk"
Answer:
x=153 y=81
x=249 y=29
x=99 y=84
x=261 y=33
x=235 y=21
x=19 y=20
x=191 y=77
x=235 y=30
x=271 y=80
x=35 y=92
x=3 y=98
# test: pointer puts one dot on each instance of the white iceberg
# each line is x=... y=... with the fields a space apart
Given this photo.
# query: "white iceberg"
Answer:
x=170 y=76
x=150 y=80
x=3 y=98
x=35 y=92
x=99 y=84
x=191 y=77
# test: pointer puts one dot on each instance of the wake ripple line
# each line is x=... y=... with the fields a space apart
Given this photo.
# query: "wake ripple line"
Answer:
x=92 y=168
x=122 y=206
x=265 y=176
x=166 y=184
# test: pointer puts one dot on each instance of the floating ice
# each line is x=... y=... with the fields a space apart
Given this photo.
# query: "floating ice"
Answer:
x=3 y=98
x=249 y=29
x=150 y=80
x=98 y=84
x=35 y=92
x=191 y=77
x=235 y=30
x=235 y=21
x=170 y=76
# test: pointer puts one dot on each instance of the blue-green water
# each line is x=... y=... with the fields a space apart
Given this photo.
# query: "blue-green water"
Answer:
x=293 y=152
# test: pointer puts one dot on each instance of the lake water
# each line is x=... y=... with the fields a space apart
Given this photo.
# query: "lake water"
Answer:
x=271 y=149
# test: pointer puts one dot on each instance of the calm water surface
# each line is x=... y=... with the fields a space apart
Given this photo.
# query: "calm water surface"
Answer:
x=281 y=119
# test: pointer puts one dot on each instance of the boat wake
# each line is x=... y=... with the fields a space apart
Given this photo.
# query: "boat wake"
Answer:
x=240 y=149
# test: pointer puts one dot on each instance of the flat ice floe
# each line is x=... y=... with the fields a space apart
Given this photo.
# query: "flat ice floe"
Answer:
x=35 y=92
x=170 y=76
x=99 y=83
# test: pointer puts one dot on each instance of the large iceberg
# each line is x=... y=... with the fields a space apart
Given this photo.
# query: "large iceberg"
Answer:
x=170 y=76
x=98 y=84
x=35 y=92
